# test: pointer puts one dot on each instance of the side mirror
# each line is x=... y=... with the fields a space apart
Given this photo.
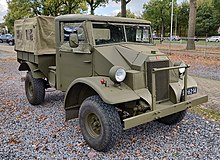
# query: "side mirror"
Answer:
x=73 y=40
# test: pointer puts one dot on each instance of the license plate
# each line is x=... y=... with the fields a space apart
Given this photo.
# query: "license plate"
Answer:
x=190 y=91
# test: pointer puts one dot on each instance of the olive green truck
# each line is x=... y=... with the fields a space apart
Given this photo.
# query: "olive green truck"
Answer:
x=113 y=76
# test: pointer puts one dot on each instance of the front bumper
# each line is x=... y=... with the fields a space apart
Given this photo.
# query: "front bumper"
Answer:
x=162 y=110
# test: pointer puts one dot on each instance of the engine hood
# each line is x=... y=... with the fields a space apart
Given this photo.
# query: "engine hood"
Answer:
x=129 y=56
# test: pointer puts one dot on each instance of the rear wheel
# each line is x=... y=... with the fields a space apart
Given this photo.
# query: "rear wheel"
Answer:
x=34 y=89
x=1 y=41
x=100 y=123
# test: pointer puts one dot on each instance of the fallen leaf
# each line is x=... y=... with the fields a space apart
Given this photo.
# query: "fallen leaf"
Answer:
x=138 y=152
x=156 y=149
x=2 y=109
x=13 y=141
x=91 y=154
x=69 y=145
x=133 y=139
x=81 y=144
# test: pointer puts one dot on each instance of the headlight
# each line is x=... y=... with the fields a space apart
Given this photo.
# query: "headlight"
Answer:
x=181 y=64
x=182 y=70
x=117 y=74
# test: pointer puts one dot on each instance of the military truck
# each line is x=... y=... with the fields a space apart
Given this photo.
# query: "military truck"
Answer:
x=113 y=76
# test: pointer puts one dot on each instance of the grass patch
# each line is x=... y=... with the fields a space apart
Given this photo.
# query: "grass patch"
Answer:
x=206 y=113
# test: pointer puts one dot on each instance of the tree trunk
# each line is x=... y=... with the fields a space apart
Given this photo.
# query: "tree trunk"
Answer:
x=192 y=25
x=92 y=11
x=162 y=28
x=123 y=8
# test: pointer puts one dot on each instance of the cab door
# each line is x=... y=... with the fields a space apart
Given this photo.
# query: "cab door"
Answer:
x=72 y=63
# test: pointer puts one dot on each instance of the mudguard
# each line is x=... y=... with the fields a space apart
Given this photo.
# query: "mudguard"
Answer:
x=178 y=87
x=110 y=93
x=36 y=73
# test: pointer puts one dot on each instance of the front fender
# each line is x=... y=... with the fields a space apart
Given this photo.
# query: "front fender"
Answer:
x=178 y=87
x=82 y=88
x=110 y=93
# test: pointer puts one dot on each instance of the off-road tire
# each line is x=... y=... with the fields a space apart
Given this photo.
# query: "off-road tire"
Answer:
x=34 y=89
x=108 y=122
x=173 y=118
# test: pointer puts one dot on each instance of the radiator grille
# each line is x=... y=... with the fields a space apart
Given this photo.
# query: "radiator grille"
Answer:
x=162 y=79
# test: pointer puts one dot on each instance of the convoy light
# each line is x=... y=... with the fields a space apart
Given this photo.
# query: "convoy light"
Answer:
x=117 y=74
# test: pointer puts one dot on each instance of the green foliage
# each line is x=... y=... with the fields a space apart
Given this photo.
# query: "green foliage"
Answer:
x=158 y=12
x=208 y=18
x=74 y=6
x=205 y=23
x=216 y=12
x=17 y=9
x=182 y=18
x=129 y=14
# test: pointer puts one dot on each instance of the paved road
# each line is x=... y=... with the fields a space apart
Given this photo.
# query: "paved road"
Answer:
x=6 y=51
x=211 y=88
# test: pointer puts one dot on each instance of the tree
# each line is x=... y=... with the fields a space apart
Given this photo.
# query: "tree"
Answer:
x=17 y=9
x=52 y=7
x=158 y=12
x=35 y=6
x=216 y=12
x=123 y=6
x=205 y=21
x=93 y=4
x=192 y=25
x=74 y=6
x=129 y=14
x=183 y=18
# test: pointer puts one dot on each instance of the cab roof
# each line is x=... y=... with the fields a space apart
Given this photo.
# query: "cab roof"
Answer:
x=81 y=17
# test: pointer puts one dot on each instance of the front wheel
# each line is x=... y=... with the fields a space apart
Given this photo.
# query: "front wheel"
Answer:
x=34 y=89
x=100 y=123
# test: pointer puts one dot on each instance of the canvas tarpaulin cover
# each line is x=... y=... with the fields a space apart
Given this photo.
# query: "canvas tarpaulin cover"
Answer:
x=36 y=35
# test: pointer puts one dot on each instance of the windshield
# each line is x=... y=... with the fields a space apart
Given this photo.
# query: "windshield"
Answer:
x=116 y=33
x=138 y=34
x=108 y=33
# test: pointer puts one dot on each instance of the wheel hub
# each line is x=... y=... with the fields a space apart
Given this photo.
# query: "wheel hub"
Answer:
x=93 y=125
x=30 y=89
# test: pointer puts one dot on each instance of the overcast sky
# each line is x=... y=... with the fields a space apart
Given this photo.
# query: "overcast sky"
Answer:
x=136 y=6
x=3 y=9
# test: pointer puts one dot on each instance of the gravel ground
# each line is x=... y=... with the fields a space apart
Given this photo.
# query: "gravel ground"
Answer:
x=40 y=132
